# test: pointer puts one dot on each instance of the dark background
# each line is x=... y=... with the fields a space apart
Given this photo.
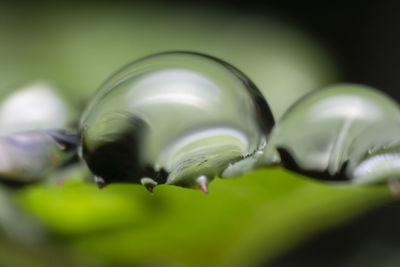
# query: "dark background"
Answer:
x=363 y=37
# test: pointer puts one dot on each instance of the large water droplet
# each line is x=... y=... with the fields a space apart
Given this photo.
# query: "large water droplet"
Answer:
x=314 y=135
x=173 y=118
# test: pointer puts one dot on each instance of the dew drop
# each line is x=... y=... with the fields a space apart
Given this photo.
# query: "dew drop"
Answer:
x=37 y=106
x=382 y=164
x=314 y=135
x=177 y=118
x=29 y=156
x=33 y=141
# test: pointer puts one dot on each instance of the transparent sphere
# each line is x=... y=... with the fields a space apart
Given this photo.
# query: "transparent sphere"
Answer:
x=178 y=118
x=36 y=106
x=315 y=134
x=32 y=140
x=374 y=156
x=30 y=156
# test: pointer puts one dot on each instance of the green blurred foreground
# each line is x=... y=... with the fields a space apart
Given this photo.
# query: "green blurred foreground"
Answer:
x=243 y=222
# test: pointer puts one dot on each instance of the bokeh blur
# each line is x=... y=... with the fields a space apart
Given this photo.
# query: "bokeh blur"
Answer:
x=269 y=217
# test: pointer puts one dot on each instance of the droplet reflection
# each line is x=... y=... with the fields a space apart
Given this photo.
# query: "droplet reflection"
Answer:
x=173 y=118
x=36 y=106
x=315 y=134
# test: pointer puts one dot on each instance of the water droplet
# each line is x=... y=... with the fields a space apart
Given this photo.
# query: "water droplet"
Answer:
x=383 y=162
x=241 y=167
x=174 y=118
x=314 y=135
x=36 y=106
x=31 y=155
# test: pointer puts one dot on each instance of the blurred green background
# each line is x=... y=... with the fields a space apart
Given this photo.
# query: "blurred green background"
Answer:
x=248 y=221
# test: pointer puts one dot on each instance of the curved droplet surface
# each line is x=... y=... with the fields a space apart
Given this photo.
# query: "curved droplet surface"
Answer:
x=33 y=139
x=173 y=118
x=29 y=156
x=36 y=106
x=314 y=135
x=374 y=156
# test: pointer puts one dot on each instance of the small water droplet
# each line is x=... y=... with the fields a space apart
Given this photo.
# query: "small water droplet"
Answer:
x=383 y=162
x=173 y=117
x=29 y=156
x=202 y=181
x=37 y=106
x=316 y=132
x=148 y=183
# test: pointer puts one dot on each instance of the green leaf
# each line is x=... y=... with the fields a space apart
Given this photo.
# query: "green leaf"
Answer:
x=243 y=222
